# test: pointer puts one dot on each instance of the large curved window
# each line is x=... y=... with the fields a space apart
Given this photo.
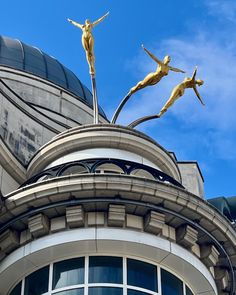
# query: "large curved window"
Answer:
x=105 y=269
x=142 y=274
x=101 y=275
x=68 y=273
x=37 y=282
x=170 y=284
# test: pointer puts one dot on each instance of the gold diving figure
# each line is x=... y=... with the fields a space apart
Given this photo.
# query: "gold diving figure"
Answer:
x=88 y=40
x=153 y=78
x=179 y=90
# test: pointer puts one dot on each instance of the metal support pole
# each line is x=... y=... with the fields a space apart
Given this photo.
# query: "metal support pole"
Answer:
x=95 y=99
x=120 y=106
x=143 y=119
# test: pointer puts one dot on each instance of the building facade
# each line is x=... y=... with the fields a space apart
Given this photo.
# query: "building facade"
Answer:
x=97 y=209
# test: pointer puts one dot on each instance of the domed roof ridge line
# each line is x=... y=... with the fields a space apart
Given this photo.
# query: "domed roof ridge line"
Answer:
x=44 y=60
x=63 y=70
x=23 y=53
x=80 y=83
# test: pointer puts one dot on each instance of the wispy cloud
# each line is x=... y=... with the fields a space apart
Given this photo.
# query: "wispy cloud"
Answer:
x=224 y=9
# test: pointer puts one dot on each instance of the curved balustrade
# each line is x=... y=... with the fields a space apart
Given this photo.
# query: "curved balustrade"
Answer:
x=103 y=165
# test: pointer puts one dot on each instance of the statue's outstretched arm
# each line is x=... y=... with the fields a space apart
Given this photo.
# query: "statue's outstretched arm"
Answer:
x=152 y=56
x=100 y=19
x=75 y=23
x=194 y=74
x=198 y=95
x=176 y=70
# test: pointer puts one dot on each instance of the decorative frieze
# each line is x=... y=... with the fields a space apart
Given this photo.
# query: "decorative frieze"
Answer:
x=154 y=222
x=9 y=240
x=134 y=221
x=25 y=237
x=116 y=215
x=58 y=224
x=209 y=255
x=222 y=278
x=38 y=225
x=96 y=219
x=75 y=216
x=186 y=236
x=168 y=232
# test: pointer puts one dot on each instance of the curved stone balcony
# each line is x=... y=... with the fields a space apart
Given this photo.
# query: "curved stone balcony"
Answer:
x=105 y=140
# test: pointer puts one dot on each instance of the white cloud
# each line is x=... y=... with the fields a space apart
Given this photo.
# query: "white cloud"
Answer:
x=224 y=9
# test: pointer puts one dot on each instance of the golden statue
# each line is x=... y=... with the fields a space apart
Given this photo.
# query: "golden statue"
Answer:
x=178 y=91
x=153 y=78
x=88 y=40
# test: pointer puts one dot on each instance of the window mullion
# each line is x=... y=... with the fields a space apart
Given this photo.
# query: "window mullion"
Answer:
x=86 y=275
x=125 y=275
x=50 y=278
x=23 y=287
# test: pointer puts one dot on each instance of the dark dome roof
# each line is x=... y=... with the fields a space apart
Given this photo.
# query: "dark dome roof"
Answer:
x=20 y=56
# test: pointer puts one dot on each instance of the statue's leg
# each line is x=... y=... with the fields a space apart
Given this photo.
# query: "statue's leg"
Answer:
x=137 y=87
x=91 y=55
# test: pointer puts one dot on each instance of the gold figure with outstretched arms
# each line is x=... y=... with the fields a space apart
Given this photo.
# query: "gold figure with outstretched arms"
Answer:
x=153 y=78
x=88 y=40
x=179 y=90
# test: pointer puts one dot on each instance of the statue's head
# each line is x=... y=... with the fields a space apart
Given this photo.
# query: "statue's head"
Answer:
x=199 y=82
x=167 y=59
x=87 y=22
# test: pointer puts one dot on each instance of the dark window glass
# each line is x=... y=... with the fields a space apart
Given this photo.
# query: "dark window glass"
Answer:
x=16 y=290
x=170 y=284
x=37 y=282
x=142 y=274
x=188 y=291
x=105 y=291
x=67 y=273
x=72 y=292
x=105 y=269
x=135 y=292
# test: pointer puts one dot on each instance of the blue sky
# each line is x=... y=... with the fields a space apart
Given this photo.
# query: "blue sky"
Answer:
x=194 y=32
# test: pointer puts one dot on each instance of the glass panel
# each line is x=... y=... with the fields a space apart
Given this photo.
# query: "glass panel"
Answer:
x=109 y=168
x=71 y=292
x=105 y=269
x=142 y=274
x=188 y=291
x=142 y=173
x=67 y=273
x=170 y=284
x=74 y=169
x=16 y=290
x=44 y=177
x=105 y=291
x=37 y=282
x=135 y=292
